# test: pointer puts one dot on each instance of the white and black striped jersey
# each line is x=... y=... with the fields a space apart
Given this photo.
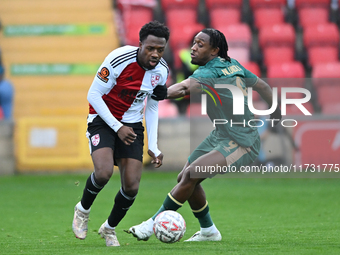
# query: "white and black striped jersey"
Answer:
x=120 y=87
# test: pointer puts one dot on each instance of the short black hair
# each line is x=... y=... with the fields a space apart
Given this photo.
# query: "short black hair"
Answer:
x=154 y=28
x=217 y=40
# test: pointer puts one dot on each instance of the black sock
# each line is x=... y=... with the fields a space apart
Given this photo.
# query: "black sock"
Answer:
x=91 y=190
x=122 y=204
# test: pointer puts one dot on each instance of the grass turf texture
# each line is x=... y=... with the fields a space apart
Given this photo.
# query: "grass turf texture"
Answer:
x=255 y=216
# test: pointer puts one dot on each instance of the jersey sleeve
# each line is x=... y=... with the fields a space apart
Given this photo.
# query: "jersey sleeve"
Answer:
x=102 y=84
x=250 y=78
x=151 y=119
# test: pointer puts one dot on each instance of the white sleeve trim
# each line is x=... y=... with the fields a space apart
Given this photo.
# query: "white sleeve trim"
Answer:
x=151 y=120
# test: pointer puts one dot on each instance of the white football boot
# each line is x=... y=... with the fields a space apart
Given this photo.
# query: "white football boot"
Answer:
x=142 y=231
x=79 y=224
x=199 y=237
x=109 y=235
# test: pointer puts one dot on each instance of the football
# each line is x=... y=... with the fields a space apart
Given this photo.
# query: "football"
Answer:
x=169 y=226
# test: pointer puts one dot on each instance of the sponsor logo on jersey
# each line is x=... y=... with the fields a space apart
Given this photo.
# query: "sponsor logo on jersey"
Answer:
x=154 y=79
x=95 y=139
x=103 y=74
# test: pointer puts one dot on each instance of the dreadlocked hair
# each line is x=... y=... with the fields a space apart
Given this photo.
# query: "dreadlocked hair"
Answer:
x=154 y=28
x=217 y=40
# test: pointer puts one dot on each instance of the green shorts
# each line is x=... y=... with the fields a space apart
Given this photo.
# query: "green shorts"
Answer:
x=235 y=154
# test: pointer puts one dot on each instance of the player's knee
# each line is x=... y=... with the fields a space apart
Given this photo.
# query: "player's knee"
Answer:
x=186 y=176
x=103 y=175
x=131 y=189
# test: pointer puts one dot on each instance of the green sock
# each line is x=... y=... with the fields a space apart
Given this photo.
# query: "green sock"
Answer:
x=169 y=203
x=203 y=216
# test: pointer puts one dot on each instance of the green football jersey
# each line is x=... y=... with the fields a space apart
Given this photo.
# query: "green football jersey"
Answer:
x=220 y=100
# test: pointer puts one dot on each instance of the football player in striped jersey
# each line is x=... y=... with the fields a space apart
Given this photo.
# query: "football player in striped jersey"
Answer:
x=127 y=77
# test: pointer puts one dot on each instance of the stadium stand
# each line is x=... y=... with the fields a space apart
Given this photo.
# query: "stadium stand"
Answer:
x=134 y=17
x=276 y=55
x=265 y=16
x=322 y=55
x=221 y=16
x=51 y=50
x=300 y=4
x=217 y=4
x=326 y=34
x=277 y=35
x=255 y=4
x=239 y=40
x=292 y=69
x=326 y=84
x=313 y=16
x=176 y=4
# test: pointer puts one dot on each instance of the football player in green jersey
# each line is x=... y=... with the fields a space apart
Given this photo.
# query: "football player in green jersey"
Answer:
x=227 y=145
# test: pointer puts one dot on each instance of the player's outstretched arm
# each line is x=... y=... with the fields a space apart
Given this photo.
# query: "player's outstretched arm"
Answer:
x=266 y=93
x=264 y=90
x=183 y=88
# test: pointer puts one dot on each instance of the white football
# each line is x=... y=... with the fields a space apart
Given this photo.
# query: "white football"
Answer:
x=169 y=226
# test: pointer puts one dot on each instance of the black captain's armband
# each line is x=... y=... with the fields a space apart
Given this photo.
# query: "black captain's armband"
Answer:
x=160 y=92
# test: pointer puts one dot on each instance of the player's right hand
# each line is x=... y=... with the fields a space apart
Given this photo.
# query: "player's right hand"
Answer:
x=127 y=135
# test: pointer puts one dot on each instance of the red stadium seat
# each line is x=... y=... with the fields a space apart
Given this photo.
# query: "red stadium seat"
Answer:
x=332 y=108
x=182 y=36
x=122 y=4
x=252 y=67
x=313 y=16
x=134 y=18
x=321 y=35
x=278 y=55
x=221 y=16
x=254 y=4
x=318 y=55
x=239 y=40
x=292 y=69
x=265 y=16
x=180 y=17
x=242 y=54
x=177 y=4
x=237 y=35
x=223 y=3
x=326 y=74
x=312 y=3
x=277 y=35
x=330 y=70
x=289 y=74
x=328 y=94
x=294 y=110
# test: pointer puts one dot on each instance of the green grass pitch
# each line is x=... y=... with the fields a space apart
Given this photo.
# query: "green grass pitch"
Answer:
x=255 y=216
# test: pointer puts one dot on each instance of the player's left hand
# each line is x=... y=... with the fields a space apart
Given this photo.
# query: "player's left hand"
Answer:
x=157 y=161
x=276 y=116
x=160 y=92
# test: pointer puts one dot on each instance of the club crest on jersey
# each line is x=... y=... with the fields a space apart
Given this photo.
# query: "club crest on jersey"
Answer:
x=154 y=79
x=95 y=139
x=103 y=74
